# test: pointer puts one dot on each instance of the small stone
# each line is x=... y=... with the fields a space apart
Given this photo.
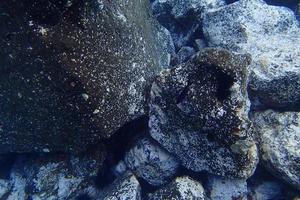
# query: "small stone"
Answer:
x=150 y=162
x=85 y=97
x=179 y=189
x=125 y=187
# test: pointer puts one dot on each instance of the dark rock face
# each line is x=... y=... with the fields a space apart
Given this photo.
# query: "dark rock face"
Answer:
x=73 y=72
x=272 y=41
x=55 y=176
x=180 y=188
x=279 y=141
x=199 y=111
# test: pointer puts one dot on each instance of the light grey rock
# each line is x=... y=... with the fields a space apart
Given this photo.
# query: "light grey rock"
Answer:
x=199 y=44
x=185 y=53
x=279 y=142
x=5 y=188
x=220 y=188
x=199 y=111
x=74 y=73
x=54 y=177
x=271 y=34
x=148 y=160
x=181 y=188
x=125 y=187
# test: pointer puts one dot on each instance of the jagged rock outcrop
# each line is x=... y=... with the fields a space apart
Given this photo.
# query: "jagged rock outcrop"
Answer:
x=181 y=188
x=220 y=188
x=55 y=176
x=279 y=141
x=271 y=34
x=73 y=72
x=126 y=187
x=199 y=111
x=148 y=160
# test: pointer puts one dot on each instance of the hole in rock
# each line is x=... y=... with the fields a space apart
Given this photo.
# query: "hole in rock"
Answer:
x=224 y=83
x=211 y=137
x=183 y=93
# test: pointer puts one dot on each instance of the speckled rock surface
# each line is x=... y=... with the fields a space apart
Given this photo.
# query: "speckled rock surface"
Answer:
x=199 y=111
x=271 y=35
x=181 y=188
x=73 y=72
x=126 y=187
x=220 y=188
x=279 y=139
x=149 y=161
x=54 y=177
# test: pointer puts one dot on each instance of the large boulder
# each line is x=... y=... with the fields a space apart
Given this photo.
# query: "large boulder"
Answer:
x=180 y=188
x=73 y=72
x=55 y=176
x=271 y=35
x=199 y=112
x=150 y=162
x=279 y=141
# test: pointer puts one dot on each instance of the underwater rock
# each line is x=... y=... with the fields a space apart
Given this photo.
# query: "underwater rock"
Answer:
x=199 y=111
x=55 y=176
x=125 y=187
x=271 y=35
x=180 y=188
x=148 y=160
x=5 y=188
x=73 y=72
x=185 y=53
x=183 y=18
x=220 y=188
x=279 y=142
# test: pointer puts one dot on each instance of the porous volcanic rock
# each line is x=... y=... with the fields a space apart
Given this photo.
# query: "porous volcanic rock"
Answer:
x=73 y=72
x=199 y=112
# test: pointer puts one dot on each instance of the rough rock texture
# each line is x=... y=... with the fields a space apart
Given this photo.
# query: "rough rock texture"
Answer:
x=5 y=188
x=220 y=188
x=199 y=111
x=181 y=188
x=150 y=162
x=183 y=18
x=126 y=187
x=279 y=139
x=54 y=176
x=73 y=72
x=271 y=35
